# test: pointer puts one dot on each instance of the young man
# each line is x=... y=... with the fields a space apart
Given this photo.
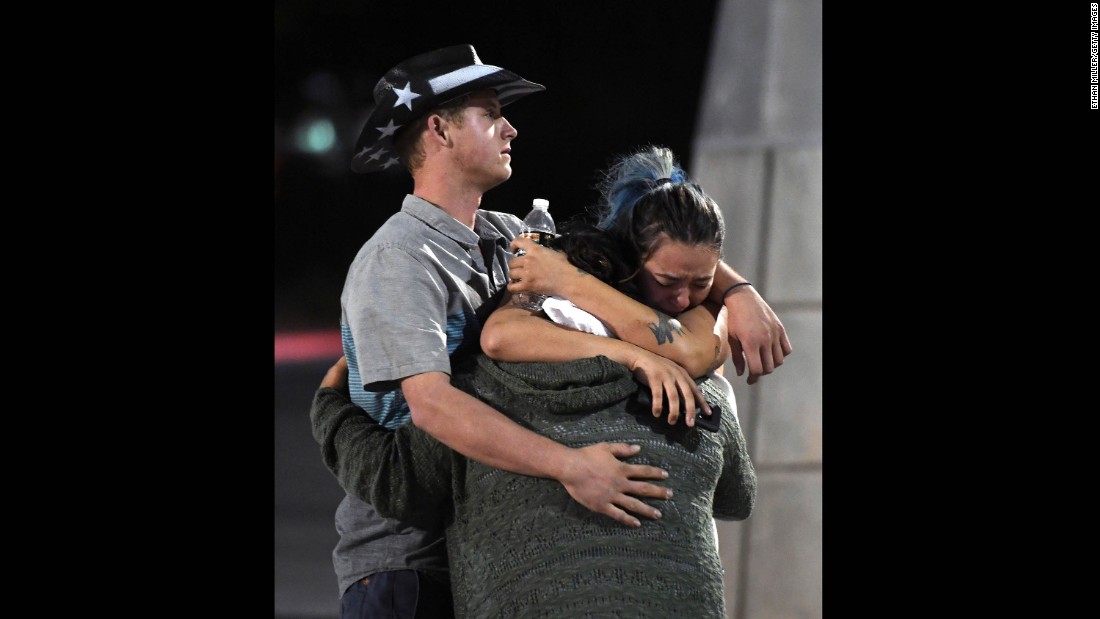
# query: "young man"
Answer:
x=413 y=304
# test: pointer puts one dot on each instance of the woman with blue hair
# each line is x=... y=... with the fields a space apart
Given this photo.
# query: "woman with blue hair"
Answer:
x=519 y=546
x=647 y=203
x=654 y=251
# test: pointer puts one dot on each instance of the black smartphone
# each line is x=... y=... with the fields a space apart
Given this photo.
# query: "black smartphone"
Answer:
x=643 y=400
x=711 y=423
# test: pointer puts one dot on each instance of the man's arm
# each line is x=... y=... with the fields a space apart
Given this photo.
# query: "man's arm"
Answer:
x=370 y=463
x=594 y=476
x=756 y=335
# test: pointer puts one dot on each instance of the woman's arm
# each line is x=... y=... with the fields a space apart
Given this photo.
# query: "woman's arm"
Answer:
x=689 y=339
x=516 y=334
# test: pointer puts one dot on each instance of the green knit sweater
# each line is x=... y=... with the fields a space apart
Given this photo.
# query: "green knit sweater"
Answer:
x=520 y=546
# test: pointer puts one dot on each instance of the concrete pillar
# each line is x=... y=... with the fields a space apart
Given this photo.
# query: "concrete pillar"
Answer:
x=757 y=151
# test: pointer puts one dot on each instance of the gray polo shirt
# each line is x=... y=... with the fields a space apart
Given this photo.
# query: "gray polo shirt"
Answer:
x=414 y=301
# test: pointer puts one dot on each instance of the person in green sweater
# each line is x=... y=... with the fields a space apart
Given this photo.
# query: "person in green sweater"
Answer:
x=519 y=546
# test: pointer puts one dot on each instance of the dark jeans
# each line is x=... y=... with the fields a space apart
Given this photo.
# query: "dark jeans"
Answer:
x=403 y=594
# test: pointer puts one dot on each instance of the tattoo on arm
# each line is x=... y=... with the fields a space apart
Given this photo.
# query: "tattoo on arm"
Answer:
x=665 y=327
x=718 y=360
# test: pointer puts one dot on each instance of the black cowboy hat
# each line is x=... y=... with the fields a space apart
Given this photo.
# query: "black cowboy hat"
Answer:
x=418 y=85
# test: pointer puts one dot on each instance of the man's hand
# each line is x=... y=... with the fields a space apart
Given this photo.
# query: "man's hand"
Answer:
x=756 y=335
x=598 y=480
x=540 y=269
x=337 y=375
x=593 y=475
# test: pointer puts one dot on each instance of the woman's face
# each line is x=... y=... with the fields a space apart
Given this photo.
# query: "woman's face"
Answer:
x=677 y=276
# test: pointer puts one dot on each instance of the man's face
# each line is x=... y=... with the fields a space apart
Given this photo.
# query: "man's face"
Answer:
x=483 y=142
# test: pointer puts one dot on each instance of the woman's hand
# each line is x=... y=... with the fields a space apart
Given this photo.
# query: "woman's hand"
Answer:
x=540 y=269
x=667 y=379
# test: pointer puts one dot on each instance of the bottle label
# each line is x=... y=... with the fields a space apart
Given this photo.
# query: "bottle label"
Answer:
x=542 y=238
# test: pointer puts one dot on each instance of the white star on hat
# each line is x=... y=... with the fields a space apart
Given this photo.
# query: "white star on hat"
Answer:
x=391 y=161
x=366 y=149
x=405 y=95
x=375 y=156
x=388 y=129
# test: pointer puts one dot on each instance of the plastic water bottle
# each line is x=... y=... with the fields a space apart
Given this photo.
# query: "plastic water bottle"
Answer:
x=539 y=227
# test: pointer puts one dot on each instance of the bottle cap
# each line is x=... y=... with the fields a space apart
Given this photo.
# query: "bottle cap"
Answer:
x=540 y=203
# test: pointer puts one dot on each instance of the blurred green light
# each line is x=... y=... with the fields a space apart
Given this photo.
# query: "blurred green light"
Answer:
x=318 y=136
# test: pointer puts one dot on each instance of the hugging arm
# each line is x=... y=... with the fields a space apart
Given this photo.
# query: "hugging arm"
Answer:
x=690 y=339
x=509 y=332
x=735 y=494
x=403 y=474
x=756 y=336
x=593 y=475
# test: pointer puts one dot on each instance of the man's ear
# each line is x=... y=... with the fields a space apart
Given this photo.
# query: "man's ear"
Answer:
x=439 y=129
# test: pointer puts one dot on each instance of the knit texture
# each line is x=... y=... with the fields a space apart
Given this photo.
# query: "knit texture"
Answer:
x=521 y=546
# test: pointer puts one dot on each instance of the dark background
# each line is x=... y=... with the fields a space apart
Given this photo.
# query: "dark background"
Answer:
x=618 y=75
